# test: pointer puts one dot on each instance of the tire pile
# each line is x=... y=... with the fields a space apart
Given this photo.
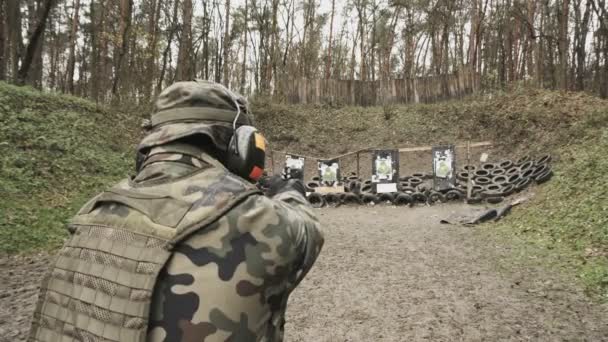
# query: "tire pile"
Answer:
x=491 y=183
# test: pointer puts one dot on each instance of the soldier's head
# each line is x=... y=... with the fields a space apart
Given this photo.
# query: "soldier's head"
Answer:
x=212 y=117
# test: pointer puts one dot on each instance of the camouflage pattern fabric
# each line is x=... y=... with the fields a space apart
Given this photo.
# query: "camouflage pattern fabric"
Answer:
x=231 y=281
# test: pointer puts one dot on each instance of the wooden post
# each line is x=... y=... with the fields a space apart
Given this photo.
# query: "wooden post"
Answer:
x=272 y=162
x=358 y=171
x=469 y=179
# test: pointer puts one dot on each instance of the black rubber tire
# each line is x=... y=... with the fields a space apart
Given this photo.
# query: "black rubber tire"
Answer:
x=545 y=159
x=420 y=175
x=544 y=177
x=462 y=188
x=488 y=166
x=369 y=199
x=526 y=166
x=512 y=171
x=403 y=199
x=408 y=189
x=539 y=170
x=508 y=190
x=351 y=199
x=333 y=200
x=522 y=160
x=522 y=184
x=528 y=173
x=482 y=180
x=354 y=187
x=405 y=178
x=495 y=199
x=386 y=198
x=435 y=197
x=368 y=182
x=367 y=189
x=462 y=175
x=475 y=200
x=493 y=187
x=312 y=184
x=498 y=172
x=453 y=195
x=352 y=178
x=316 y=179
x=469 y=168
x=316 y=200
x=500 y=180
x=477 y=189
x=482 y=173
x=514 y=179
x=488 y=193
x=505 y=164
x=415 y=181
x=418 y=197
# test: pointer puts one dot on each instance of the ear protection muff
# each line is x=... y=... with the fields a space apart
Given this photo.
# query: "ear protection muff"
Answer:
x=247 y=153
x=247 y=147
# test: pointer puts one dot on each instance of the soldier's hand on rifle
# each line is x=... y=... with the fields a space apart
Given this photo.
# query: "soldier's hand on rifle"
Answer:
x=277 y=184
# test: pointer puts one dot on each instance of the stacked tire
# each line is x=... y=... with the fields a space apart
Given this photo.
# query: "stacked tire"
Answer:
x=492 y=183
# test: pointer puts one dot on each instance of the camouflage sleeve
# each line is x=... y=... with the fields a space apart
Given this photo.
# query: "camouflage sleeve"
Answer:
x=231 y=280
x=305 y=227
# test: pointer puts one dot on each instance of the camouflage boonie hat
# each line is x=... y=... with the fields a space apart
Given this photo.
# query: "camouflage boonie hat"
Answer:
x=196 y=107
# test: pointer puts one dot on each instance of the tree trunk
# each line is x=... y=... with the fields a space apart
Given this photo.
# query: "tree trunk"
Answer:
x=227 y=42
x=2 y=40
x=581 y=43
x=362 y=24
x=183 y=71
x=14 y=29
x=330 y=45
x=244 y=64
x=71 y=56
x=563 y=45
x=34 y=43
x=126 y=7
x=166 y=53
x=152 y=50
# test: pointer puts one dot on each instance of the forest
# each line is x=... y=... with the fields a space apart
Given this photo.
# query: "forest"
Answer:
x=119 y=51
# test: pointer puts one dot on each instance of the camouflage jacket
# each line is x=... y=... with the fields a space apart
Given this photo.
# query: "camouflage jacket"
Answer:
x=231 y=280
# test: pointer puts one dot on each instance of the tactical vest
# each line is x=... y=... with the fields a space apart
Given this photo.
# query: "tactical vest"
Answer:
x=100 y=287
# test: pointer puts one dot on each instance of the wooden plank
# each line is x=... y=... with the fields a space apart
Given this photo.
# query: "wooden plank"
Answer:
x=429 y=148
x=330 y=189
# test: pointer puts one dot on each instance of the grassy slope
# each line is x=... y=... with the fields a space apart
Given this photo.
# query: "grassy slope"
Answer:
x=55 y=152
x=568 y=219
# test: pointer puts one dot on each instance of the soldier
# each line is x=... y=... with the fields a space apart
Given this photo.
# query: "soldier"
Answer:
x=188 y=249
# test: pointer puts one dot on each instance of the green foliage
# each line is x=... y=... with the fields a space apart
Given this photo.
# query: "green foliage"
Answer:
x=571 y=212
x=55 y=152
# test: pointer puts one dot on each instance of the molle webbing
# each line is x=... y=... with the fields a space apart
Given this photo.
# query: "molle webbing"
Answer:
x=100 y=287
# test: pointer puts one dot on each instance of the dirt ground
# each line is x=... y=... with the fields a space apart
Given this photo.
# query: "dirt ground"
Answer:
x=395 y=274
